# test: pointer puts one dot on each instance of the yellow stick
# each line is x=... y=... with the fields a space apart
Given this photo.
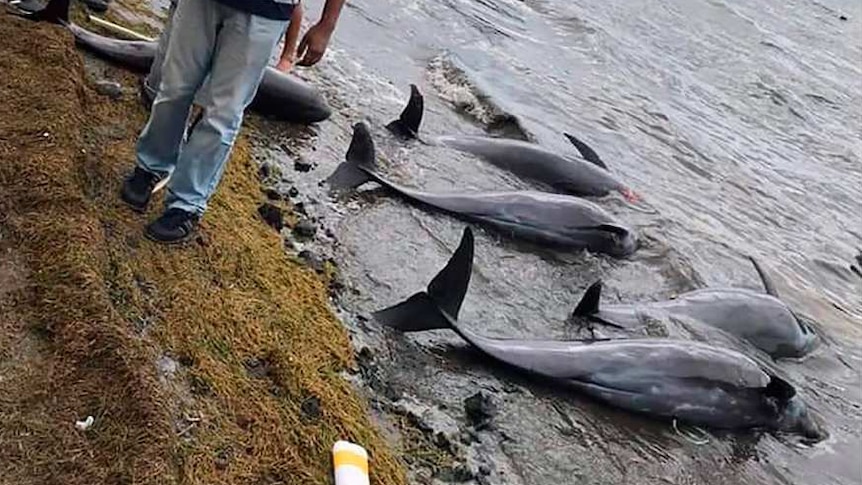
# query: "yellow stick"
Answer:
x=120 y=29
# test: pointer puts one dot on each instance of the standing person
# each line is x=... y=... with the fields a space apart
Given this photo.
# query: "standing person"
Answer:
x=150 y=83
x=229 y=41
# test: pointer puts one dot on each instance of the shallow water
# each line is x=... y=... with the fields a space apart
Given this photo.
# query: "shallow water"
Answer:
x=739 y=123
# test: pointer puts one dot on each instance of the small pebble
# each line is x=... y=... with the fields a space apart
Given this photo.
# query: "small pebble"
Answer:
x=110 y=89
x=265 y=171
x=314 y=261
x=302 y=165
x=480 y=409
x=272 y=214
x=305 y=230
x=273 y=194
x=310 y=408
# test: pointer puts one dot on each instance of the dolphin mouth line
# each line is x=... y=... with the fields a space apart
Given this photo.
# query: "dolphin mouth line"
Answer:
x=600 y=387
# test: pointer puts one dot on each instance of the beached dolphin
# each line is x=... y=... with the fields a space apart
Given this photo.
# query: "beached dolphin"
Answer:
x=550 y=219
x=689 y=381
x=763 y=320
x=280 y=95
x=567 y=175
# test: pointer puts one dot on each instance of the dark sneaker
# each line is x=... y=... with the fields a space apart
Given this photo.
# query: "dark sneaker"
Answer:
x=138 y=188
x=174 y=226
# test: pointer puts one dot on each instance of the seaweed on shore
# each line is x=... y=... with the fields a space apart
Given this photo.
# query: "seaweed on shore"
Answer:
x=198 y=363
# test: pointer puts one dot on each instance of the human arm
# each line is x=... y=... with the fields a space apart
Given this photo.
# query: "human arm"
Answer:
x=288 y=52
x=314 y=42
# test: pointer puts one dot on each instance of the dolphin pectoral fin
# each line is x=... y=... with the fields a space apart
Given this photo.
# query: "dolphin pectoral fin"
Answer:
x=589 y=304
x=416 y=314
x=56 y=11
x=407 y=125
x=588 y=153
x=768 y=284
x=450 y=285
x=439 y=307
x=360 y=159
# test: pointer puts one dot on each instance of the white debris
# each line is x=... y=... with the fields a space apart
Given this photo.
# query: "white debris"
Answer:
x=85 y=424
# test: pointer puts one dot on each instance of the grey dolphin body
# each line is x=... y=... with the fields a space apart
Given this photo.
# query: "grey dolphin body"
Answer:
x=761 y=319
x=551 y=219
x=280 y=95
x=567 y=175
x=673 y=379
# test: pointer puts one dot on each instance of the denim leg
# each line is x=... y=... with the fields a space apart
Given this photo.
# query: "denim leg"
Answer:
x=241 y=55
x=188 y=57
x=154 y=77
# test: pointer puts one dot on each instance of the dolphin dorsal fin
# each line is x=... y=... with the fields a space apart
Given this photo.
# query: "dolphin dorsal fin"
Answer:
x=360 y=159
x=589 y=304
x=768 y=285
x=588 y=153
x=407 y=125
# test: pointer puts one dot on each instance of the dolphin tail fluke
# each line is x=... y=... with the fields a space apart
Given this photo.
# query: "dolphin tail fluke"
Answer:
x=588 y=153
x=768 y=284
x=359 y=161
x=56 y=11
x=450 y=285
x=438 y=307
x=407 y=125
x=415 y=314
x=589 y=304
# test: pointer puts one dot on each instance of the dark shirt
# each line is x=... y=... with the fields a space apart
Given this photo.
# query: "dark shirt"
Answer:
x=265 y=8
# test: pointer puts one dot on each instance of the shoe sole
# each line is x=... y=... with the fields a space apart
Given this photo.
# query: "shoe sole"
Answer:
x=175 y=242
x=137 y=208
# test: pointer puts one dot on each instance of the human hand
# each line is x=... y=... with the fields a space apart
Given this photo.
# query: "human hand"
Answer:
x=313 y=44
x=285 y=64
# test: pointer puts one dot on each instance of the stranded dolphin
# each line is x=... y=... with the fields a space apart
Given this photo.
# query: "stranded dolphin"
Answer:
x=761 y=319
x=567 y=175
x=551 y=219
x=280 y=95
x=672 y=379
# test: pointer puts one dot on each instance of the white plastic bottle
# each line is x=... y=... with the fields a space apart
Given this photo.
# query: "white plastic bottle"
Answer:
x=351 y=464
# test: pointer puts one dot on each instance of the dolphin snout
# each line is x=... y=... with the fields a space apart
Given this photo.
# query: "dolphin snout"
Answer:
x=797 y=419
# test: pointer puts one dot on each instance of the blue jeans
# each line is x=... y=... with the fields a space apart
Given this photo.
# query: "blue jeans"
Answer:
x=154 y=77
x=233 y=49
